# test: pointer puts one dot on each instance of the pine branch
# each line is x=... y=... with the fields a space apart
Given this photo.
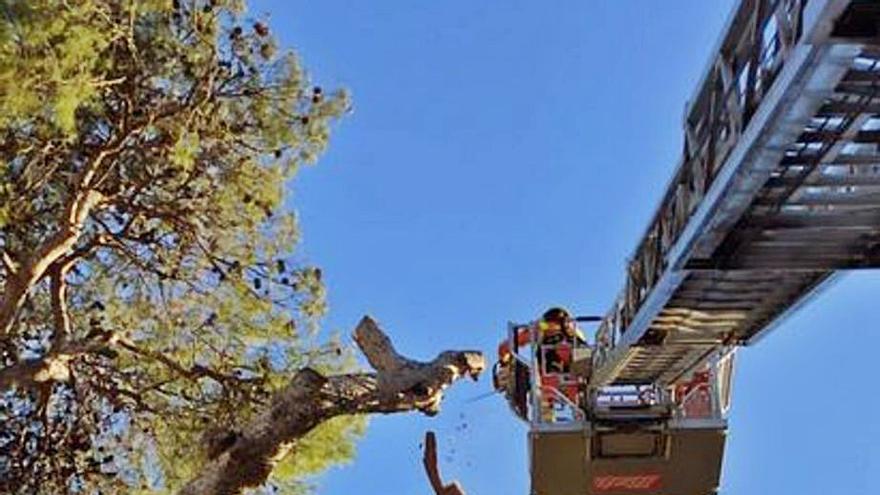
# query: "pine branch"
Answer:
x=52 y=367
x=310 y=398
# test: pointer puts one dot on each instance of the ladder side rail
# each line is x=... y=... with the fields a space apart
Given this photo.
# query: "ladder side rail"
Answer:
x=683 y=234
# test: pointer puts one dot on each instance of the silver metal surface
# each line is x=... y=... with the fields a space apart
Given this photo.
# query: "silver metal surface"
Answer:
x=775 y=193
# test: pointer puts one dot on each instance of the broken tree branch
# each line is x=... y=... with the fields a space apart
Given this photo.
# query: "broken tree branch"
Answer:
x=399 y=385
x=430 y=462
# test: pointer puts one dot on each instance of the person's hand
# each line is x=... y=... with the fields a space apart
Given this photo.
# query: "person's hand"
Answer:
x=501 y=375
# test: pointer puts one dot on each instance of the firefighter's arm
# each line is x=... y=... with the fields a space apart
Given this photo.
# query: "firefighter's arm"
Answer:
x=523 y=337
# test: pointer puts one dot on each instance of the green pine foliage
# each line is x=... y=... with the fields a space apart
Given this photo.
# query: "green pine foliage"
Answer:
x=330 y=444
x=186 y=122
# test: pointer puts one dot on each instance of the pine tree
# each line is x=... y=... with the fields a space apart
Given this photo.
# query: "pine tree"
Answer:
x=151 y=293
x=158 y=332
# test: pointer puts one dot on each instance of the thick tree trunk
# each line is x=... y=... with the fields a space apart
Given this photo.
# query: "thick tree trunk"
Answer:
x=310 y=398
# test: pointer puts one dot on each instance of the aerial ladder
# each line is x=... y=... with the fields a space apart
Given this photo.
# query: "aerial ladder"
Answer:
x=777 y=192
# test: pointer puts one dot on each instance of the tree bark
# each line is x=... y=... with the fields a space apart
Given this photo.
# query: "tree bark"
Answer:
x=398 y=385
x=33 y=267
x=54 y=366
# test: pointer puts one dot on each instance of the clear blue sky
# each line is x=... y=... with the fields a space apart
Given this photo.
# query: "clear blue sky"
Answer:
x=507 y=155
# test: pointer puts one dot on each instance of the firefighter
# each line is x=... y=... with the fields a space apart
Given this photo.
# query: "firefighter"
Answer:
x=555 y=326
x=558 y=334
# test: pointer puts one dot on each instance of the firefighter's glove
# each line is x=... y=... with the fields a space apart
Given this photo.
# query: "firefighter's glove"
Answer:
x=501 y=375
